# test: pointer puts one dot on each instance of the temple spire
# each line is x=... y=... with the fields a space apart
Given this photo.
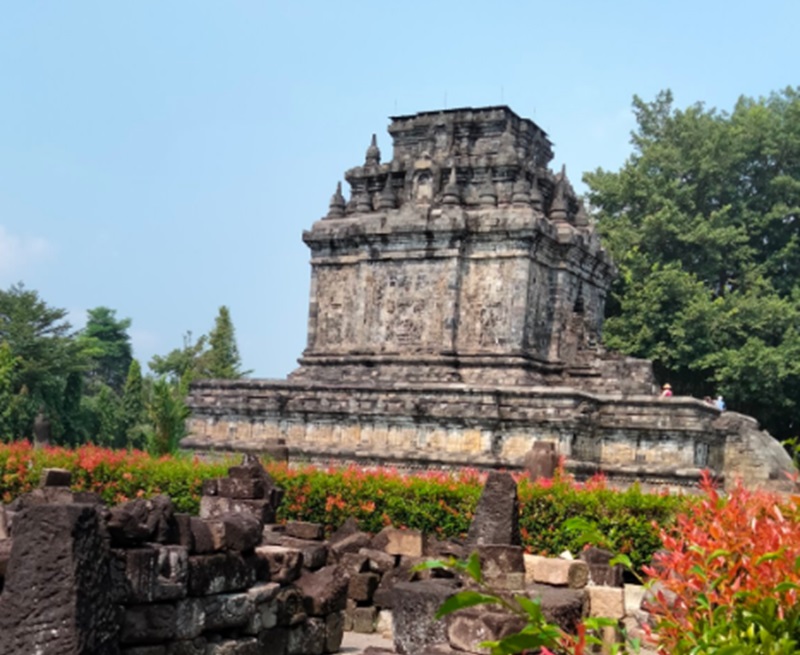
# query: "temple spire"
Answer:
x=337 y=204
x=558 y=208
x=373 y=153
x=386 y=198
x=451 y=194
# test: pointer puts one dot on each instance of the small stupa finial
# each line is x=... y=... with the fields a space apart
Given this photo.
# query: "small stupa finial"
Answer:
x=373 y=153
x=337 y=204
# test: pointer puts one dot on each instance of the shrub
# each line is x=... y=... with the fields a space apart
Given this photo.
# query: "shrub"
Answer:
x=729 y=576
x=436 y=503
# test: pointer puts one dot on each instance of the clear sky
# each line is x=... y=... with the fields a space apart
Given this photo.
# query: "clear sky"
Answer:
x=163 y=158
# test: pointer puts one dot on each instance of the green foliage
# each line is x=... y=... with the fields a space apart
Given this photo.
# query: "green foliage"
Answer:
x=107 y=339
x=538 y=634
x=117 y=475
x=134 y=411
x=168 y=413
x=184 y=363
x=44 y=352
x=704 y=222
x=223 y=359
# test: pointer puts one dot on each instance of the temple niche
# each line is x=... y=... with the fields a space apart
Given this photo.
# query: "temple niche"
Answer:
x=455 y=318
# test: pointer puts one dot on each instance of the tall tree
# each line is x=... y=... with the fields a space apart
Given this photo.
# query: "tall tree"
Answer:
x=134 y=412
x=703 y=220
x=106 y=337
x=182 y=363
x=168 y=414
x=223 y=359
x=42 y=343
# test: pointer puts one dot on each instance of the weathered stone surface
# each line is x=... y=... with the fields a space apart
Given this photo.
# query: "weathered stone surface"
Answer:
x=350 y=544
x=364 y=619
x=315 y=553
x=362 y=586
x=350 y=526
x=4 y=523
x=265 y=600
x=142 y=520
x=468 y=628
x=394 y=541
x=324 y=591
x=496 y=519
x=242 y=488
x=541 y=462
x=377 y=560
x=284 y=565
x=242 y=531
x=384 y=596
x=149 y=624
x=54 y=477
x=5 y=556
x=334 y=632
x=241 y=646
x=145 y=650
x=215 y=506
x=57 y=596
x=304 y=530
x=503 y=566
x=195 y=646
x=600 y=573
x=190 y=618
x=225 y=611
x=307 y=638
x=290 y=607
x=556 y=571
x=274 y=641
x=355 y=562
x=608 y=602
x=413 y=611
x=560 y=605
x=384 y=624
x=220 y=573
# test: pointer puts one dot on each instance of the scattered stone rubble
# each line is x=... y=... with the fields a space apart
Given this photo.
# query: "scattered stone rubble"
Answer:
x=140 y=579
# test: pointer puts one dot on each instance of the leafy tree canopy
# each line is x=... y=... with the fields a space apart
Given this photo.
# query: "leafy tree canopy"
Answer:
x=703 y=220
x=107 y=339
x=42 y=346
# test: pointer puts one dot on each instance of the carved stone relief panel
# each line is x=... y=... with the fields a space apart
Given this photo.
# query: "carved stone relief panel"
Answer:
x=335 y=312
x=408 y=305
x=493 y=300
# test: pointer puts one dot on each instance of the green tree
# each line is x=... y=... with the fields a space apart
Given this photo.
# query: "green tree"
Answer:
x=104 y=413
x=73 y=417
x=8 y=364
x=42 y=343
x=134 y=411
x=180 y=363
x=168 y=413
x=107 y=339
x=703 y=220
x=223 y=359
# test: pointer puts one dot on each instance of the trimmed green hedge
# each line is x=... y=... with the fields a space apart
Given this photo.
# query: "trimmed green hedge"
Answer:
x=435 y=502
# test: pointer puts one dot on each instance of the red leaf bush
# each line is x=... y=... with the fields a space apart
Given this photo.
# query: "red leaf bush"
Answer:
x=728 y=577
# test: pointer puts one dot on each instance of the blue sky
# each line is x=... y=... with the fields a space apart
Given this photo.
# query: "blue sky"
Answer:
x=163 y=158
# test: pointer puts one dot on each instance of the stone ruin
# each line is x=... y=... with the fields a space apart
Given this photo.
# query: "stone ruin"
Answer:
x=455 y=318
x=77 y=577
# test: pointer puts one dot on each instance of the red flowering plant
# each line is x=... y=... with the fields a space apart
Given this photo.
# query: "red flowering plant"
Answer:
x=728 y=578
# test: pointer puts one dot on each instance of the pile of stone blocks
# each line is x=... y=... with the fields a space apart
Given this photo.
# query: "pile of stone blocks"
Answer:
x=567 y=589
x=141 y=579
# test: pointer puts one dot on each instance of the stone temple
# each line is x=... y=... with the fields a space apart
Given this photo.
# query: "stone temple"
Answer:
x=457 y=301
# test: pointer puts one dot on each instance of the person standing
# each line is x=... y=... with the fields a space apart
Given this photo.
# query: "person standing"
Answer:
x=719 y=403
x=666 y=391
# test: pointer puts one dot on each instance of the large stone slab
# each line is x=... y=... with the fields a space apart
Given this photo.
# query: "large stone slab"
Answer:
x=415 y=605
x=57 y=598
x=496 y=519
